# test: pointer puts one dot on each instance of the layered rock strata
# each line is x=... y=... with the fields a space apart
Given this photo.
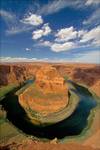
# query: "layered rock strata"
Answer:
x=48 y=94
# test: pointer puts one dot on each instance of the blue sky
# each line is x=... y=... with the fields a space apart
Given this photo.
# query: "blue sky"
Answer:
x=50 y=30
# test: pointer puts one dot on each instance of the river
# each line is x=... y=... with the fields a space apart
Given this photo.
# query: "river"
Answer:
x=73 y=125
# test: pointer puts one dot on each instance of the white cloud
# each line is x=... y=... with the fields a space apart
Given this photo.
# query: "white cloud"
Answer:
x=16 y=26
x=37 y=34
x=28 y=49
x=66 y=34
x=56 y=47
x=93 y=19
x=23 y=59
x=92 y=2
x=17 y=29
x=11 y=22
x=45 y=43
x=45 y=30
x=16 y=59
x=88 y=57
x=69 y=38
x=81 y=33
x=57 y=5
x=92 y=36
x=33 y=19
x=6 y=15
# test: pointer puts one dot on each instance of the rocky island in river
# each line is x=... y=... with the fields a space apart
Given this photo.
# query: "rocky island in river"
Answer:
x=48 y=93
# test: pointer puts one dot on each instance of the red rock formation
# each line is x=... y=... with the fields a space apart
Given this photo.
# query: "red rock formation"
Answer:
x=11 y=74
x=16 y=73
x=88 y=74
x=49 y=80
x=49 y=93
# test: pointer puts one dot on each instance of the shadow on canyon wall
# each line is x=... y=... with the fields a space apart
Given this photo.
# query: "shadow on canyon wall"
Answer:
x=16 y=73
x=88 y=76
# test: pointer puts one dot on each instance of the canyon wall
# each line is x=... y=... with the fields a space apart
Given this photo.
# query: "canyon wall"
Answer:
x=15 y=73
x=88 y=74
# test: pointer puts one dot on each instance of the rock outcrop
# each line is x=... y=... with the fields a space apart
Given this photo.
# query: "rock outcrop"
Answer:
x=88 y=74
x=16 y=73
x=49 y=80
x=48 y=94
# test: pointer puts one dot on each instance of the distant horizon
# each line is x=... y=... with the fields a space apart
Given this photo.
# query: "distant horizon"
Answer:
x=51 y=62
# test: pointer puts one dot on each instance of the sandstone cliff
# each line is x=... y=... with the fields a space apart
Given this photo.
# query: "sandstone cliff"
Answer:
x=48 y=94
x=16 y=73
x=49 y=80
x=88 y=74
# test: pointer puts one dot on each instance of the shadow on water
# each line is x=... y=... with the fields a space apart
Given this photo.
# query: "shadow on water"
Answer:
x=73 y=125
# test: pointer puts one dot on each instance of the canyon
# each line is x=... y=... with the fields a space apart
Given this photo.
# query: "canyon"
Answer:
x=87 y=74
x=50 y=79
x=48 y=93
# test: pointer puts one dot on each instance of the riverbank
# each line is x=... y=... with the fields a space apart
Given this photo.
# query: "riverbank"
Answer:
x=82 y=138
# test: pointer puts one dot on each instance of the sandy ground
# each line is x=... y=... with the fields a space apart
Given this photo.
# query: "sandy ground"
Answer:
x=47 y=146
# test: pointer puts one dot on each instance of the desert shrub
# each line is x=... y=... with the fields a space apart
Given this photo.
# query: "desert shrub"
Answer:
x=3 y=114
x=66 y=78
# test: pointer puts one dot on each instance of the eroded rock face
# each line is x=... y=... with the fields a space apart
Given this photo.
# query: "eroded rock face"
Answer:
x=12 y=74
x=48 y=94
x=88 y=74
x=49 y=80
x=16 y=73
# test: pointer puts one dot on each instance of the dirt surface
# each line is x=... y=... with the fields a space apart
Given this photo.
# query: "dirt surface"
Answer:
x=94 y=139
x=29 y=145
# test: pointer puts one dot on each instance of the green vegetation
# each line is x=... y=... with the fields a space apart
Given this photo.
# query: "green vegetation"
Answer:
x=8 y=132
x=89 y=130
x=6 y=89
x=66 y=78
x=11 y=132
x=52 y=118
x=2 y=115
x=22 y=89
